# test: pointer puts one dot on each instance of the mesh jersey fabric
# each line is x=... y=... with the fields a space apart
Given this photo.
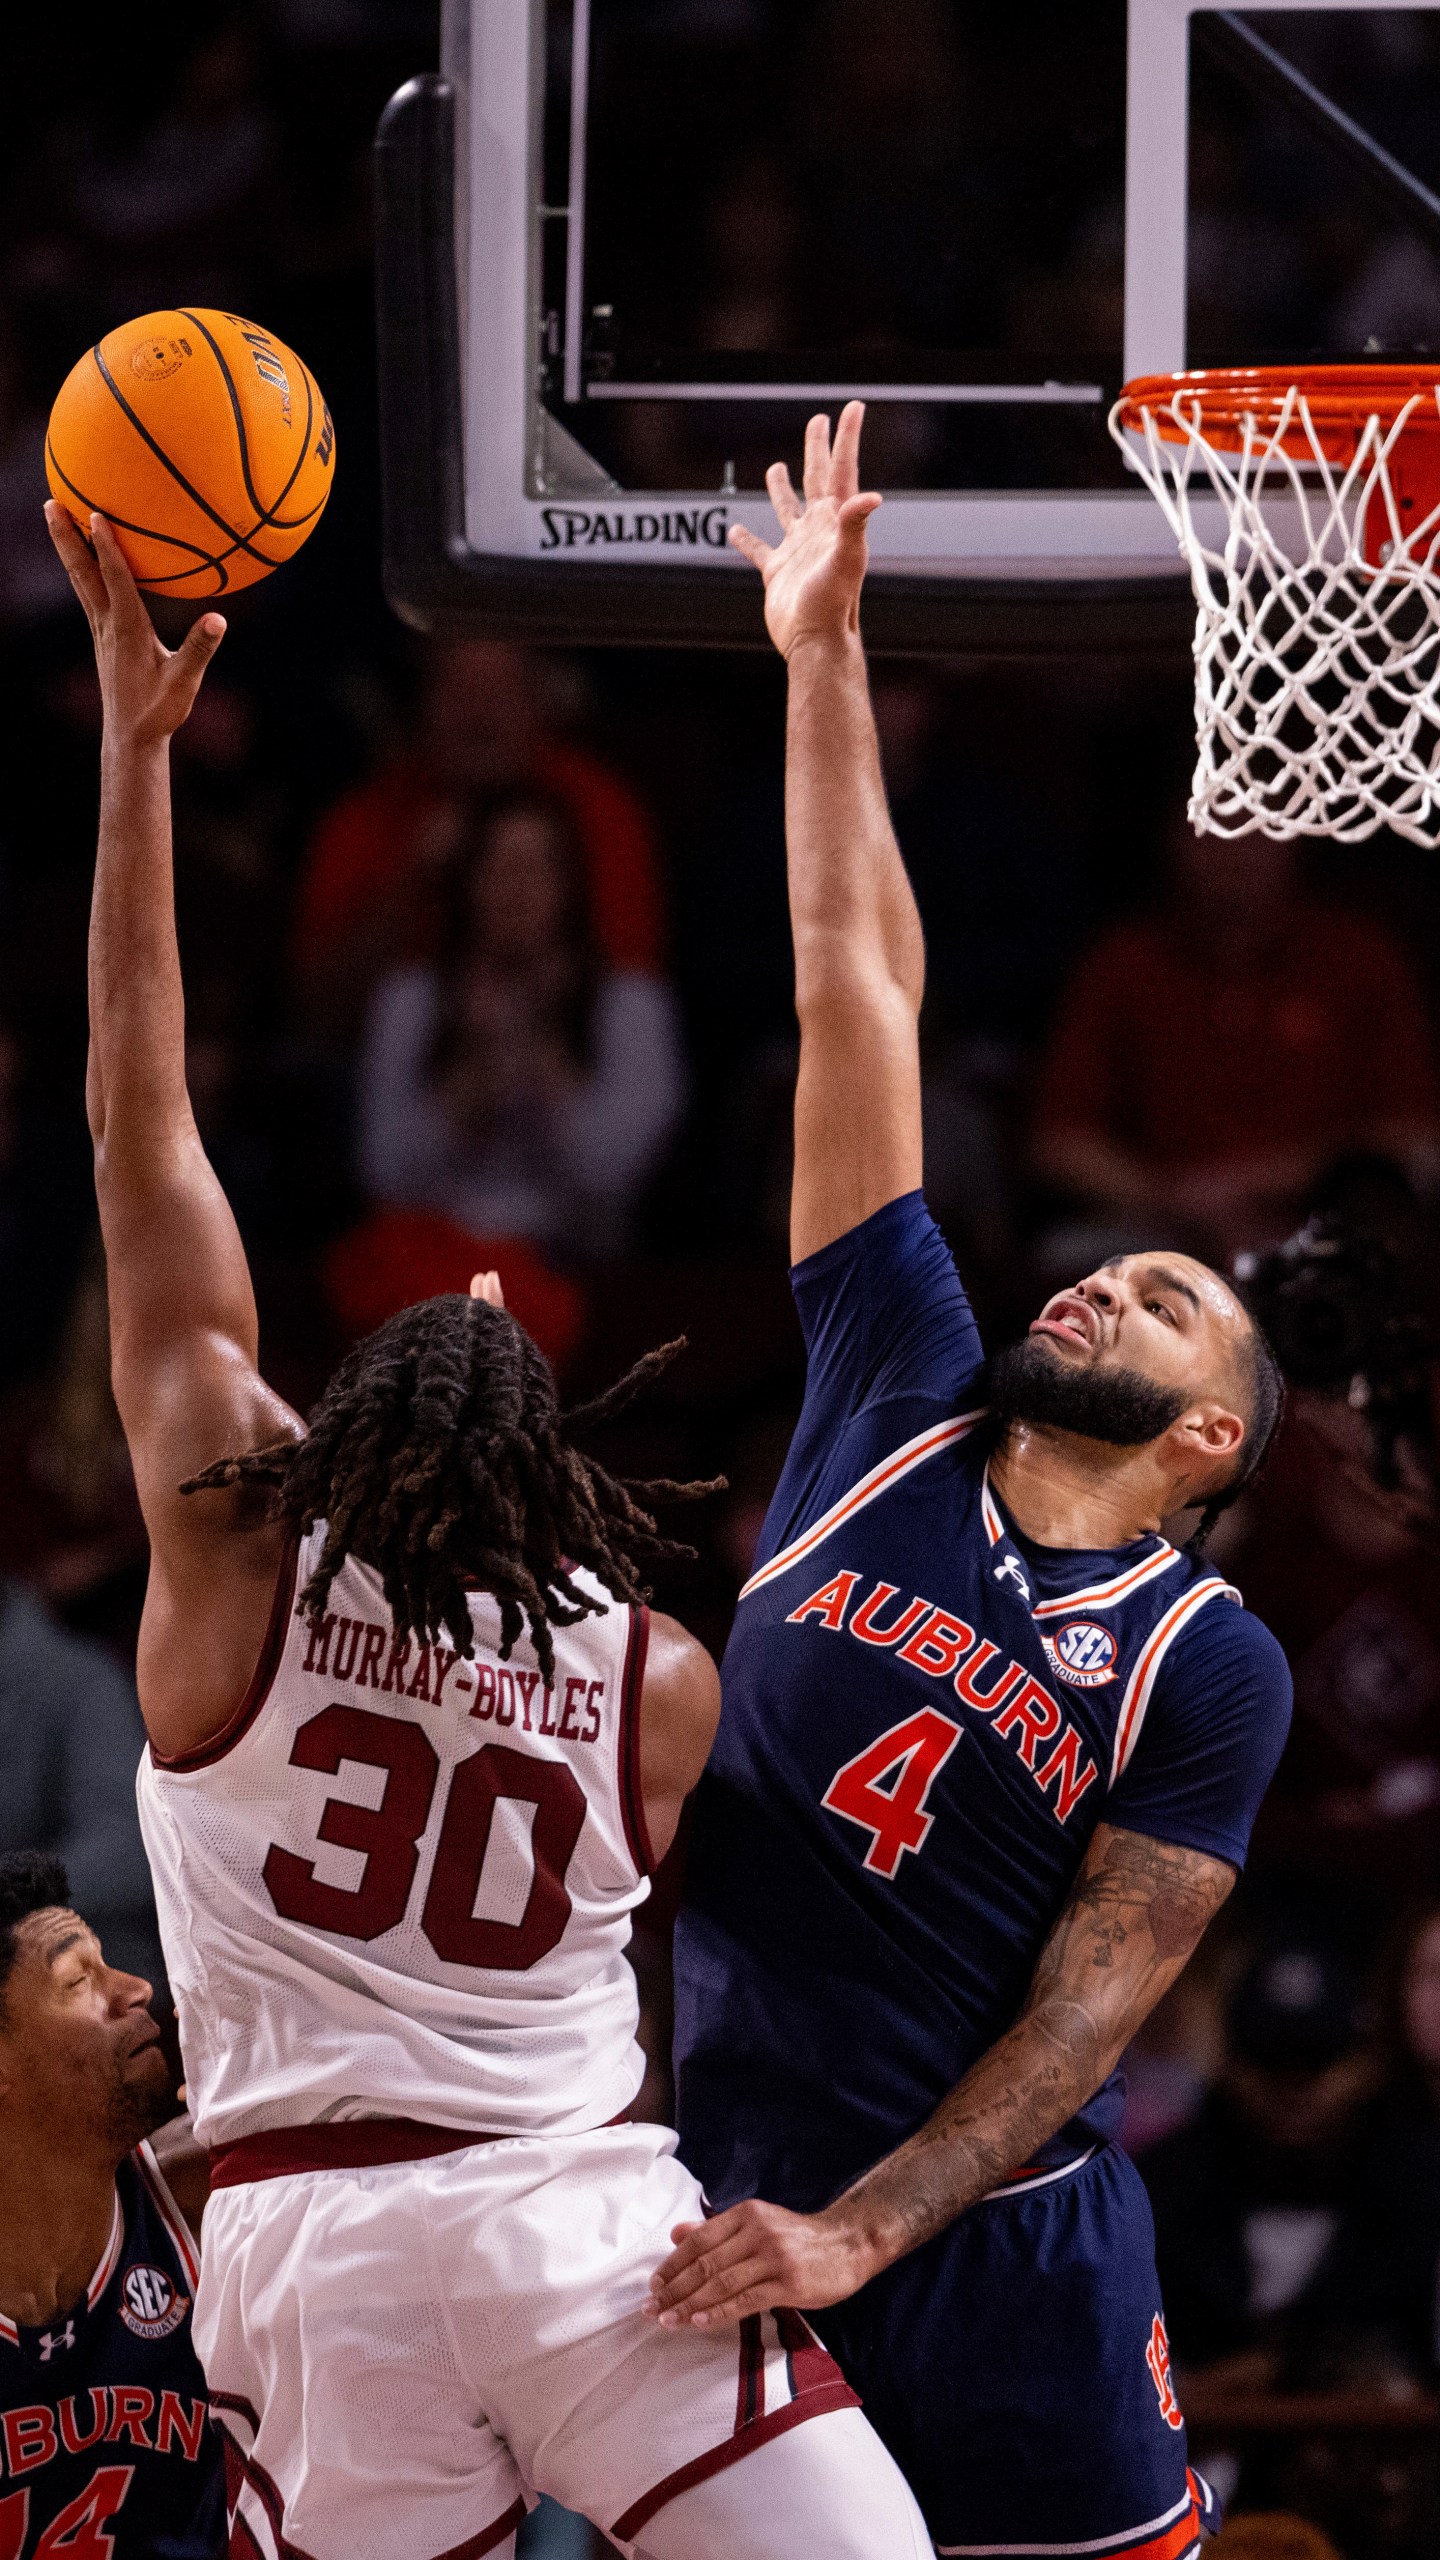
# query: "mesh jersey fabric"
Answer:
x=400 y=1882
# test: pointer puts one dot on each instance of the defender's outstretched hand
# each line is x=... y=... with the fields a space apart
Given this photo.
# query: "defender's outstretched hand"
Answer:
x=814 y=574
x=758 y=2257
x=148 y=690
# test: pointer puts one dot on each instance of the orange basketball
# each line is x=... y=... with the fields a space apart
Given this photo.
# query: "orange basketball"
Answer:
x=205 y=442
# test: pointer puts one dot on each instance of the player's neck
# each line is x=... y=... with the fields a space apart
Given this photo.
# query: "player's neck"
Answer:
x=57 y=2206
x=1064 y=1491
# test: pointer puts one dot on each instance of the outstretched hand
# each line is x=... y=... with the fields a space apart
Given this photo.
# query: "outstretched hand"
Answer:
x=814 y=574
x=758 y=2257
x=148 y=690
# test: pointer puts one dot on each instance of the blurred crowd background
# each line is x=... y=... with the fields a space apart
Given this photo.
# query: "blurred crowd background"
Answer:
x=486 y=960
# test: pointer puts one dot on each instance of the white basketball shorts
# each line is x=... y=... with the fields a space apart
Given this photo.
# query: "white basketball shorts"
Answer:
x=400 y=2357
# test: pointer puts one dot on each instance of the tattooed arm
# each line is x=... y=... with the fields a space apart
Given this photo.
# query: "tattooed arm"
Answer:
x=1136 y=1915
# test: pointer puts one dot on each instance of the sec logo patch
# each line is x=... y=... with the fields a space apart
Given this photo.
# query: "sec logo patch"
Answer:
x=149 y=2303
x=1083 y=1653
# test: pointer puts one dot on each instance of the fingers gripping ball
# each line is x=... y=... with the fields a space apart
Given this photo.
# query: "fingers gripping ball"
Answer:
x=205 y=442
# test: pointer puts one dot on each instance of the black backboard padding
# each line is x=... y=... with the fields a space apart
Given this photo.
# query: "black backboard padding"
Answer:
x=436 y=582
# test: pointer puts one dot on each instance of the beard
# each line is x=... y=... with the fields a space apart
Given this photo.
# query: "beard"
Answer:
x=137 y=2103
x=1030 y=1383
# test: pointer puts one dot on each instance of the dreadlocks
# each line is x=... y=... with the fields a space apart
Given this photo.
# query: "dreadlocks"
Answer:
x=438 y=1454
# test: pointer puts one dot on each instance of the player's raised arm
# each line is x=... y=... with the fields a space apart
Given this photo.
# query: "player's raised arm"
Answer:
x=1137 y=1912
x=182 y=1311
x=859 y=954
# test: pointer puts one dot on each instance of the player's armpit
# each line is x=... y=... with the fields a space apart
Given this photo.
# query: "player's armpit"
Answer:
x=679 y=1711
x=1136 y=1913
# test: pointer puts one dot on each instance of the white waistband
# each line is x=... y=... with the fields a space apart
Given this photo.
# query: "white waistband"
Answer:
x=1046 y=2178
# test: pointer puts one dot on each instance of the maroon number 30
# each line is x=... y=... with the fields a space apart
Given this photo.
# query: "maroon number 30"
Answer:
x=388 y=1836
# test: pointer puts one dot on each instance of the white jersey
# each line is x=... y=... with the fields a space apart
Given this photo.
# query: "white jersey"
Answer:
x=399 y=1882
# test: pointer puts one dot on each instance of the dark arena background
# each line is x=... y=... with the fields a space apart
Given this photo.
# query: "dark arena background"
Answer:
x=1120 y=1036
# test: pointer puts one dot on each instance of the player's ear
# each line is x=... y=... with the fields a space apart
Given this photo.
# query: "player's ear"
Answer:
x=1213 y=1431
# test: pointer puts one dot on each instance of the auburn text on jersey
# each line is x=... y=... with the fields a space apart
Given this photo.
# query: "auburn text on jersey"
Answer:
x=1020 y=1709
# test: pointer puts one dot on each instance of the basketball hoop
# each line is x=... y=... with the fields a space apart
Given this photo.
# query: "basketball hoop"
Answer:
x=1307 y=504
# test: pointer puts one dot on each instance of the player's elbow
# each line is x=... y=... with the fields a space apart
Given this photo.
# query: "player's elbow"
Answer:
x=95 y=1101
x=836 y=983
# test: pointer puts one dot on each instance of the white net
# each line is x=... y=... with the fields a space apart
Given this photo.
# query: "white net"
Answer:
x=1317 y=665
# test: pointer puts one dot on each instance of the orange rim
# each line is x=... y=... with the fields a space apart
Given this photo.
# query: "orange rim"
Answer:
x=1341 y=399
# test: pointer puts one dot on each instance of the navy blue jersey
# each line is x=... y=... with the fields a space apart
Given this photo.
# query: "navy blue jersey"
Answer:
x=925 y=1717
x=104 y=2423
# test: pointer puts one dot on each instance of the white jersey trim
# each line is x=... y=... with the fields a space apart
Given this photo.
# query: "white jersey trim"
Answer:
x=941 y=1435
x=1140 y=1686
x=1095 y=1595
x=1045 y=2178
x=1108 y=1595
x=169 y=2211
x=111 y=2259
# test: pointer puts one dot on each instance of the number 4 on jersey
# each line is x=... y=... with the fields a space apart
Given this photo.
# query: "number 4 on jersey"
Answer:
x=885 y=1786
x=81 y=2529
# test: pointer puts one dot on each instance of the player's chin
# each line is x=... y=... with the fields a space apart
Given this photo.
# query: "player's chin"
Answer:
x=1065 y=1348
x=146 y=2085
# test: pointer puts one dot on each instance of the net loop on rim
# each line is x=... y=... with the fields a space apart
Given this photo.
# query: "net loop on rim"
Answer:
x=1308 y=510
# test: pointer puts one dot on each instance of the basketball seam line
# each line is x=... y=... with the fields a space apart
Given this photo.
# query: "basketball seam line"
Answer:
x=150 y=533
x=239 y=540
x=267 y=515
x=216 y=559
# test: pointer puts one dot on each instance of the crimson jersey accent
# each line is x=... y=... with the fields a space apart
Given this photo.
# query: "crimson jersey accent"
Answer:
x=400 y=1882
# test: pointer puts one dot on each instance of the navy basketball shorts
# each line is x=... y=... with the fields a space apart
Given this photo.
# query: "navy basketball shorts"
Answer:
x=1017 y=2368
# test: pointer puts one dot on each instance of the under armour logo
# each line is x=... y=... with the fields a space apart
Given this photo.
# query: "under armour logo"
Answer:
x=52 y=2340
x=1008 y=1566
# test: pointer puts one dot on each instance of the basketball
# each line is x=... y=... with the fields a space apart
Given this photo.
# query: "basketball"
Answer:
x=203 y=439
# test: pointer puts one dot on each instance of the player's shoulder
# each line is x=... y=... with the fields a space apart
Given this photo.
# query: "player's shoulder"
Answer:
x=1221 y=1639
x=899 y=1231
x=884 y=1311
x=680 y=1707
x=150 y=2183
x=176 y=2170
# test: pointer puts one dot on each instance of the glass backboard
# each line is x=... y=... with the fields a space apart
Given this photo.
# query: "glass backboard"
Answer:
x=626 y=246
